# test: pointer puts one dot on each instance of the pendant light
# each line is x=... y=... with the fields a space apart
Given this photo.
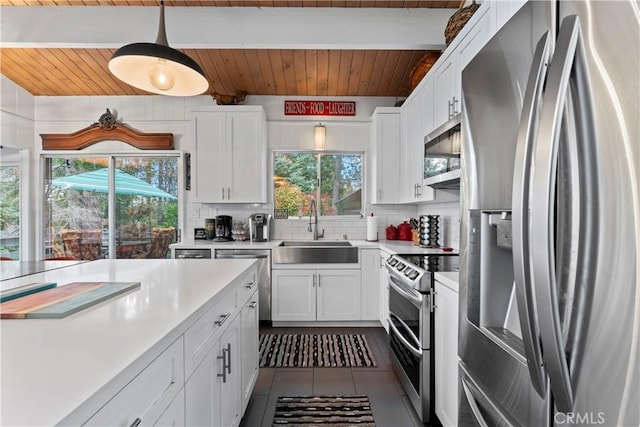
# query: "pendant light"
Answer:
x=320 y=134
x=158 y=68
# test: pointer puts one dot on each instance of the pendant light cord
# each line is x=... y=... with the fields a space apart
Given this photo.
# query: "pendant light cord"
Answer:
x=162 y=32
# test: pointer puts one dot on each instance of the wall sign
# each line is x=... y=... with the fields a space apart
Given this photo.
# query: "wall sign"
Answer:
x=319 y=108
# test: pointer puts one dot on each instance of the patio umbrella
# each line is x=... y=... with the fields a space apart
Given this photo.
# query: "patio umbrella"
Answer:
x=98 y=181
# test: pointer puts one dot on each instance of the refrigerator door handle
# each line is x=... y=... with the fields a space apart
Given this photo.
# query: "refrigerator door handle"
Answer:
x=525 y=292
x=473 y=405
x=483 y=409
x=567 y=70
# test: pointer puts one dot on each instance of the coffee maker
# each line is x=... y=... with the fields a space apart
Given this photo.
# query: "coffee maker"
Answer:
x=223 y=229
x=259 y=227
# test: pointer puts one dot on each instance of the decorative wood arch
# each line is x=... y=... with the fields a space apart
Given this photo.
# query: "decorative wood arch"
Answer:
x=106 y=129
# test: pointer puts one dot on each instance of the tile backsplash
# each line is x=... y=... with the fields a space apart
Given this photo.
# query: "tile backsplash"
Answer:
x=335 y=228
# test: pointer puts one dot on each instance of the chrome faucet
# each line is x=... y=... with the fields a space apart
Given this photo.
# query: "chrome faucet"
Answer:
x=313 y=226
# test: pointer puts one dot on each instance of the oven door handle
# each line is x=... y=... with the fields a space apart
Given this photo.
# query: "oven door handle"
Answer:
x=416 y=300
x=415 y=350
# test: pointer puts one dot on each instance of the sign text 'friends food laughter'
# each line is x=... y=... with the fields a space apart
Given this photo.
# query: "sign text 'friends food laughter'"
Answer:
x=319 y=108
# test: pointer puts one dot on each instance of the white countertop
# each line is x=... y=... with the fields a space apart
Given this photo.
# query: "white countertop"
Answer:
x=448 y=278
x=49 y=367
x=393 y=246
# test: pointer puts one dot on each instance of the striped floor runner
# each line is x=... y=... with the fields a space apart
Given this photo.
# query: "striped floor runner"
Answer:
x=323 y=410
x=319 y=351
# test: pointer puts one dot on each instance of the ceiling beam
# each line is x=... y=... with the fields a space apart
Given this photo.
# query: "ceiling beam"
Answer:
x=225 y=27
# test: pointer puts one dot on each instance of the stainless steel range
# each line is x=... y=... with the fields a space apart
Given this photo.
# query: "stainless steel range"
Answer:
x=410 y=330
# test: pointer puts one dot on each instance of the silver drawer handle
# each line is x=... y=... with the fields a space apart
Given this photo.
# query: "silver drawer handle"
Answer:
x=136 y=422
x=253 y=304
x=222 y=319
x=250 y=285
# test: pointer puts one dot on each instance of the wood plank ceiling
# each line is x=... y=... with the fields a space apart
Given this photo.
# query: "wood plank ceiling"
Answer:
x=284 y=72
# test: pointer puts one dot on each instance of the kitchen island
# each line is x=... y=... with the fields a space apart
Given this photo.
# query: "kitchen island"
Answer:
x=64 y=371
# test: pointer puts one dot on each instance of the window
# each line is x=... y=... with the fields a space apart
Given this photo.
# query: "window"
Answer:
x=335 y=179
x=9 y=203
x=88 y=218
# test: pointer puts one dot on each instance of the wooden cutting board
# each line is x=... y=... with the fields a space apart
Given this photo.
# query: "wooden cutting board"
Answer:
x=62 y=301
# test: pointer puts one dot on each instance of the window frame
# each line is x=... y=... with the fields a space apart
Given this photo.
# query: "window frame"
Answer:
x=319 y=153
x=112 y=156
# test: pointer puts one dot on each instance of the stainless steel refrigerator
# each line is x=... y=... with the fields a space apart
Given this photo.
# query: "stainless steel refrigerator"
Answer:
x=549 y=296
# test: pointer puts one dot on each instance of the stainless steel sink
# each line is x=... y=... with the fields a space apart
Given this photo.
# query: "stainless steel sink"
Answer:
x=315 y=252
x=315 y=243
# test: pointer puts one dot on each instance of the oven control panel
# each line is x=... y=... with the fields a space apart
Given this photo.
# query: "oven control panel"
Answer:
x=407 y=271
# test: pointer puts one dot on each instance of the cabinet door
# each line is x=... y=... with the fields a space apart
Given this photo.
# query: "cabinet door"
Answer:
x=447 y=90
x=202 y=391
x=423 y=119
x=210 y=157
x=405 y=190
x=384 y=291
x=247 y=159
x=477 y=36
x=230 y=395
x=446 y=355
x=250 y=357
x=370 y=283
x=338 y=294
x=293 y=295
x=386 y=140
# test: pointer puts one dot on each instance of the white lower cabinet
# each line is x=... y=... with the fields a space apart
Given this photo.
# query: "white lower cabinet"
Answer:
x=446 y=354
x=338 y=295
x=202 y=392
x=204 y=377
x=249 y=322
x=384 y=290
x=173 y=416
x=315 y=294
x=146 y=398
x=230 y=395
x=370 y=283
x=212 y=393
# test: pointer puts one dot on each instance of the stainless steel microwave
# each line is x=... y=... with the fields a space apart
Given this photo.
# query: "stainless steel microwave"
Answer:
x=442 y=156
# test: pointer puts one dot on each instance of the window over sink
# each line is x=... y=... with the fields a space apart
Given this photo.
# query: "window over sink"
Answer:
x=332 y=178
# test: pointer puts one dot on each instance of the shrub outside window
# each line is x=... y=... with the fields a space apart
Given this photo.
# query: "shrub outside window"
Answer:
x=333 y=179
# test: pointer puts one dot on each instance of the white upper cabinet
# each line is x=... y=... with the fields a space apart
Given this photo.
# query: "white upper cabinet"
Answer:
x=416 y=119
x=385 y=136
x=481 y=30
x=447 y=71
x=447 y=90
x=229 y=162
x=504 y=10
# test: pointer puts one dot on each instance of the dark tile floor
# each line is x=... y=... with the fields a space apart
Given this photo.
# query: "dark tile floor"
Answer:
x=389 y=403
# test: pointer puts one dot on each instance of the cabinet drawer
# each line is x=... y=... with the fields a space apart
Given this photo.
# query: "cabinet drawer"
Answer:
x=148 y=395
x=174 y=415
x=248 y=284
x=202 y=335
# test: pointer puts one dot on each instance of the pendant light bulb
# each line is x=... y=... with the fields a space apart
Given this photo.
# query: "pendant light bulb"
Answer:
x=161 y=76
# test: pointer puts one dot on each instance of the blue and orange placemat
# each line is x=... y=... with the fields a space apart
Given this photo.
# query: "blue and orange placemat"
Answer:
x=59 y=302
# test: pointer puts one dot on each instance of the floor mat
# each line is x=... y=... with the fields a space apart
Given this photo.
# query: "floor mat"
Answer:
x=323 y=410
x=315 y=351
